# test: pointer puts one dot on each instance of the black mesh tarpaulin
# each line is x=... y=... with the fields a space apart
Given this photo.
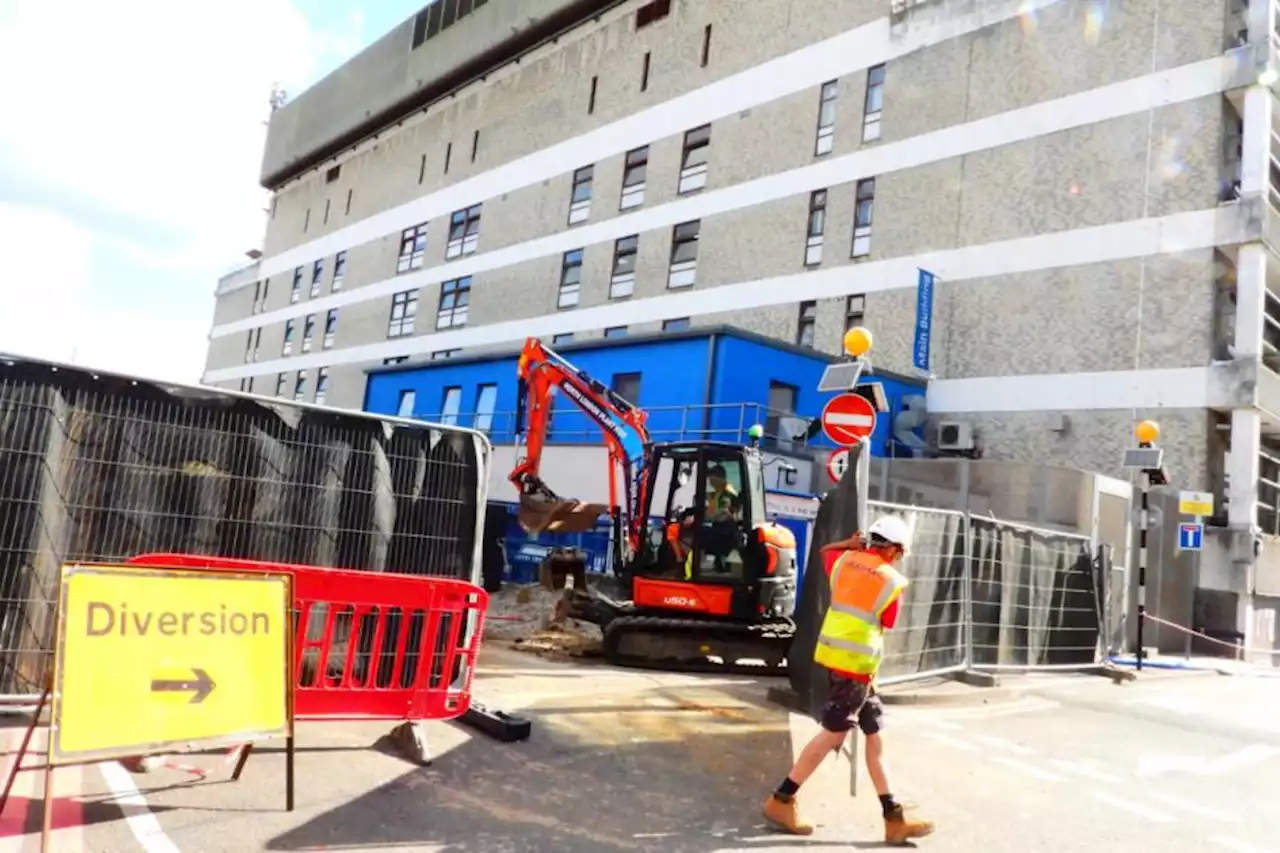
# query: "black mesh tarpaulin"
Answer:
x=1033 y=594
x=1035 y=600
x=101 y=468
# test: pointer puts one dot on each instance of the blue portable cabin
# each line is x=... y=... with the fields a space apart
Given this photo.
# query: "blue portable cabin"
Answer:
x=710 y=383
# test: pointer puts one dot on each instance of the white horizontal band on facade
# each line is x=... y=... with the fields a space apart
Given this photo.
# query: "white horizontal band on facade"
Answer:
x=1116 y=100
x=1171 y=388
x=812 y=65
x=1179 y=232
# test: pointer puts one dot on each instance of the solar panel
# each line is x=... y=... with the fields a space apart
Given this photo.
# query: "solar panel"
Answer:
x=840 y=377
x=1143 y=458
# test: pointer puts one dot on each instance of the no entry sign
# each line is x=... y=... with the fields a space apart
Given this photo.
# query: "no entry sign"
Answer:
x=847 y=419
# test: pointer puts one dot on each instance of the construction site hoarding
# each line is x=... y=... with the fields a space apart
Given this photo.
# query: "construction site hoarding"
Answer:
x=99 y=468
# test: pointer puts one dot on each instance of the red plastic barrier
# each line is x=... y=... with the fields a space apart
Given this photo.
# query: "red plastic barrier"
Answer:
x=371 y=645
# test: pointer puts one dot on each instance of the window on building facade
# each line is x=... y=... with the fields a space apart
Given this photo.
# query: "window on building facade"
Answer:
x=296 y=293
x=300 y=386
x=626 y=386
x=441 y=354
x=817 y=226
x=280 y=384
x=622 y=281
x=675 y=324
x=339 y=270
x=854 y=310
x=874 y=104
x=826 y=118
x=413 y=248
x=404 y=309
x=287 y=348
x=486 y=403
x=645 y=65
x=693 y=162
x=652 y=12
x=684 y=254
x=580 y=195
x=464 y=232
x=570 y=279
x=308 y=332
x=706 y=46
x=615 y=332
x=260 y=292
x=455 y=297
x=451 y=405
x=808 y=321
x=322 y=385
x=634 y=176
x=395 y=359
x=330 y=327
x=405 y=406
x=317 y=277
x=864 y=201
x=564 y=338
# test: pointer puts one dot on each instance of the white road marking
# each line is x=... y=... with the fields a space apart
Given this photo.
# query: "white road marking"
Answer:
x=954 y=743
x=1118 y=801
x=1087 y=771
x=1237 y=846
x=1003 y=743
x=1249 y=755
x=142 y=822
x=1030 y=769
x=26 y=786
x=1187 y=805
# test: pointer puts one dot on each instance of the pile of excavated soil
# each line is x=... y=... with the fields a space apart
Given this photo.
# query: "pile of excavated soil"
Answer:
x=526 y=618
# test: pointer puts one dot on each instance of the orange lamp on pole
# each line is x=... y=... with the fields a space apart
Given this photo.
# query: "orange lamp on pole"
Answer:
x=857 y=341
x=1147 y=432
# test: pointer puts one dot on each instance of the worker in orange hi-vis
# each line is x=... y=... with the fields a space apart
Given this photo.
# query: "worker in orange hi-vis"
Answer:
x=866 y=594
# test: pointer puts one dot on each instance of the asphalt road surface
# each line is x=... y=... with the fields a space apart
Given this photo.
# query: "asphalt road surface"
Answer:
x=638 y=762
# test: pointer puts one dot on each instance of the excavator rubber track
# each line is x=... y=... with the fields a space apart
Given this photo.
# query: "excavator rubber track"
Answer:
x=674 y=644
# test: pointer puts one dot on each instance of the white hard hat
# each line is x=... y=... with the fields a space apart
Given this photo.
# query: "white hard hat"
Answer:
x=893 y=529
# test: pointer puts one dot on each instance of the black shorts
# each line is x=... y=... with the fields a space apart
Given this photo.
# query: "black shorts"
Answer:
x=852 y=702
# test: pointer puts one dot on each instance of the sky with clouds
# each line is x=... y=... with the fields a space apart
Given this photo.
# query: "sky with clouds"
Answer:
x=130 y=148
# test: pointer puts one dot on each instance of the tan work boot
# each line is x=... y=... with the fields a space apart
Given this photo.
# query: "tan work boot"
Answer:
x=783 y=814
x=899 y=829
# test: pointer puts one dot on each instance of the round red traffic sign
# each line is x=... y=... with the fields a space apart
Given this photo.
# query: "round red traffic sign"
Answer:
x=837 y=464
x=847 y=419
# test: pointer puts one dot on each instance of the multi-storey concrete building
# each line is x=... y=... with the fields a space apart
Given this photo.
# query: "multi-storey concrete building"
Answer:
x=1093 y=183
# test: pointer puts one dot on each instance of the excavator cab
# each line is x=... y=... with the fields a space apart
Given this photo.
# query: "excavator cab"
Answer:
x=709 y=546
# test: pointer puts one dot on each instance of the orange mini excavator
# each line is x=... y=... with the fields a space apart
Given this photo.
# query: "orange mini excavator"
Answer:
x=712 y=582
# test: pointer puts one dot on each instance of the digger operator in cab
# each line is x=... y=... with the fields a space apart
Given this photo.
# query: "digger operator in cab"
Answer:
x=866 y=594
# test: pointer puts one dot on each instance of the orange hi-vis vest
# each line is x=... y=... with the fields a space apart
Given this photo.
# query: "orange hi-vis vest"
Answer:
x=862 y=588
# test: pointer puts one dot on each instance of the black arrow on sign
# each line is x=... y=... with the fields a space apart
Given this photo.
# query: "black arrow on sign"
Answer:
x=202 y=685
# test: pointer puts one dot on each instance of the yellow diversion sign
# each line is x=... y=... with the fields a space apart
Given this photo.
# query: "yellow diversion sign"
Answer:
x=149 y=658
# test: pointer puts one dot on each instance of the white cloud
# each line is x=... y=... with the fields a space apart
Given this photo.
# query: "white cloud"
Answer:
x=32 y=320
x=152 y=111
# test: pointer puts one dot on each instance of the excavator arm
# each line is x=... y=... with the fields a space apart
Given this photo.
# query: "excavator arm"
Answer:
x=543 y=374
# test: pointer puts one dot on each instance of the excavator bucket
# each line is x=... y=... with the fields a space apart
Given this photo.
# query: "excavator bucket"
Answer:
x=557 y=515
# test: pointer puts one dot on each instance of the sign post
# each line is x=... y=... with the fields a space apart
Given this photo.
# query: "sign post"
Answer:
x=158 y=660
x=925 y=283
x=1147 y=459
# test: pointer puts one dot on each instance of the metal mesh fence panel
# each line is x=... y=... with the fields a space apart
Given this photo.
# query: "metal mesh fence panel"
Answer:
x=1034 y=597
x=929 y=636
x=102 y=468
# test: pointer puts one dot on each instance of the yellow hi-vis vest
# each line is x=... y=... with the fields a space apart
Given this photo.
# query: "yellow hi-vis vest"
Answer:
x=862 y=588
